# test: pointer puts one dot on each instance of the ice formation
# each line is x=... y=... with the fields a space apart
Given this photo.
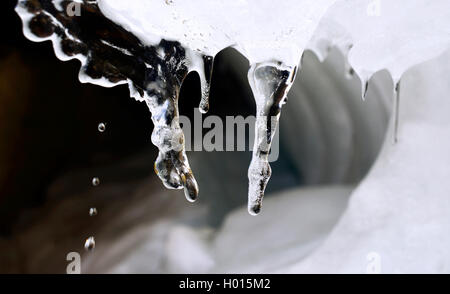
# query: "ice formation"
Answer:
x=153 y=45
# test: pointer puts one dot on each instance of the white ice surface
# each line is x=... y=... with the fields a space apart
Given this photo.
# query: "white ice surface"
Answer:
x=385 y=34
x=262 y=30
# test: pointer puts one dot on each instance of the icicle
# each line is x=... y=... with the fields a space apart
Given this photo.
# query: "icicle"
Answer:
x=396 y=110
x=172 y=165
x=205 y=79
x=365 y=89
x=270 y=83
x=203 y=65
x=161 y=96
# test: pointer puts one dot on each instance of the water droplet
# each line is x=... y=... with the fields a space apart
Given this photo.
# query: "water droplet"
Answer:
x=89 y=244
x=101 y=127
x=93 y=211
x=95 y=182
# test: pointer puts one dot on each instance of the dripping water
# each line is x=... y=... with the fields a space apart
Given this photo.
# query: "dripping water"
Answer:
x=95 y=182
x=101 y=127
x=89 y=244
x=93 y=211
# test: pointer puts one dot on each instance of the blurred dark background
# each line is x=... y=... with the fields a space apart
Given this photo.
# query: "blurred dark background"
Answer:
x=49 y=121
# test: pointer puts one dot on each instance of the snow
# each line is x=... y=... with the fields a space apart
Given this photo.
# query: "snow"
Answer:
x=261 y=30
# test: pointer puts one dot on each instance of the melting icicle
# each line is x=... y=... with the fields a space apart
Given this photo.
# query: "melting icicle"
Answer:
x=270 y=83
x=205 y=79
x=396 y=110
x=161 y=96
x=89 y=244
x=366 y=89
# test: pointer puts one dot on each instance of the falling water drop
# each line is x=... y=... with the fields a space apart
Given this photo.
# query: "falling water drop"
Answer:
x=92 y=211
x=101 y=127
x=95 y=182
x=89 y=244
